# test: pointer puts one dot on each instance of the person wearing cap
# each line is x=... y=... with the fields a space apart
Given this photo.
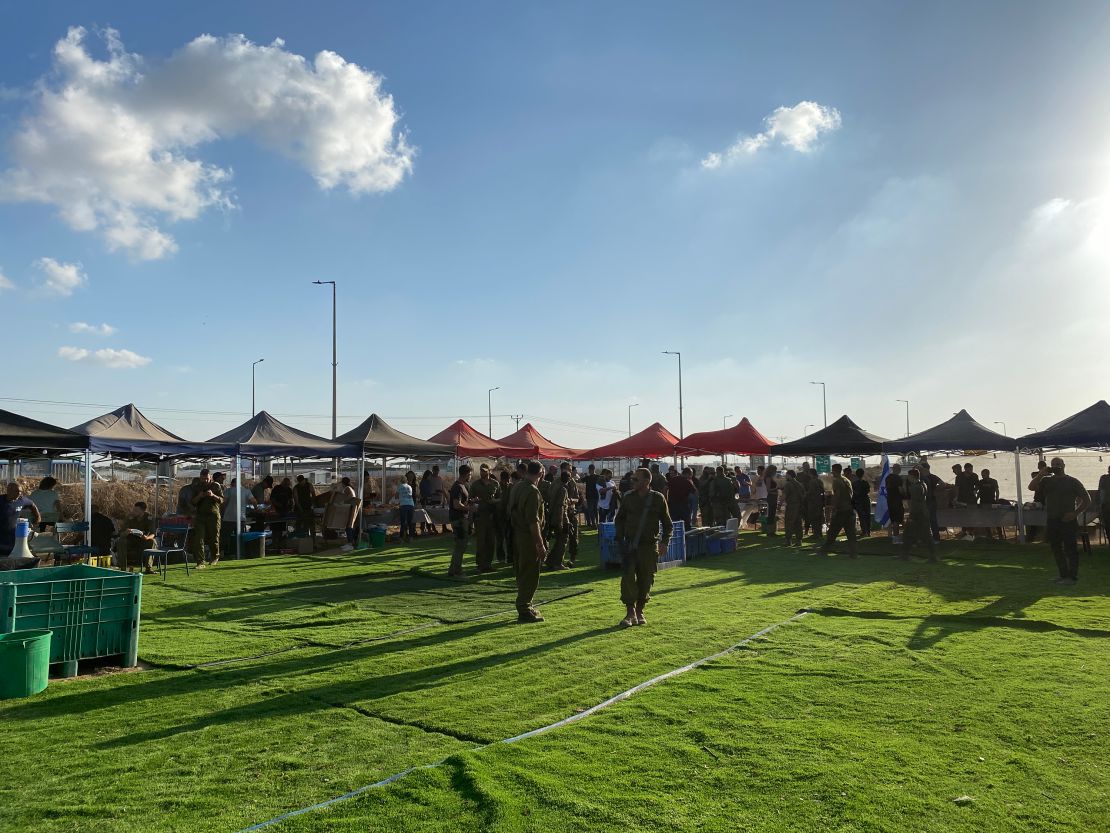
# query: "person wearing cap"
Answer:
x=483 y=495
x=1064 y=498
x=526 y=508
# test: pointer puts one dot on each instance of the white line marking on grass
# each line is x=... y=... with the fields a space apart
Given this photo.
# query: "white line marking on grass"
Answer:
x=574 y=718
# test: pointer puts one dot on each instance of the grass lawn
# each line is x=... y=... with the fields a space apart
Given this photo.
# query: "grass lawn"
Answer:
x=287 y=681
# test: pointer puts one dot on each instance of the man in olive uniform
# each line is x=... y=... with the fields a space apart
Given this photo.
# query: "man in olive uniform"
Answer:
x=722 y=496
x=140 y=537
x=658 y=482
x=1064 y=498
x=794 y=501
x=501 y=517
x=530 y=549
x=815 y=505
x=843 y=516
x=484 y=494
x=705 y=505
x=557 y=500
x=803 y=476
x=574 y=500
x=208 y=507
x=917 y=529
x=642 y=515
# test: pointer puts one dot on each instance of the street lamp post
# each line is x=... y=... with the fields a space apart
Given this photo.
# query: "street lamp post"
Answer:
x=1003 y=424
x=805 y=431
x=489 y=407
x=334 y=362
x=824 y=403
x=253 y=364
x=677 y=353
x=630 y=407
x=906 y=402
x=724 y=425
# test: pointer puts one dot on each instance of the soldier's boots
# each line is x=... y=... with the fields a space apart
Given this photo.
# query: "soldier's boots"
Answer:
x=528 y=614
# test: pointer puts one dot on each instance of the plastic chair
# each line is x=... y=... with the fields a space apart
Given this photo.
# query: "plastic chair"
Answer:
x=82 y=551
x=162 y=553
x=732 y=525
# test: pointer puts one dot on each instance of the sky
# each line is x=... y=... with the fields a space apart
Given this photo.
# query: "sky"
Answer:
x=902 y=200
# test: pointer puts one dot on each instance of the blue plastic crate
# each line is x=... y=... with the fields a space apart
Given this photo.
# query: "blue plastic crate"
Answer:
x=607 y=531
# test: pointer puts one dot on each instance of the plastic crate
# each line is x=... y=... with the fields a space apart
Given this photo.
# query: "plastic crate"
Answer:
x=607 y=531
x=610 y=552
x=92 y=611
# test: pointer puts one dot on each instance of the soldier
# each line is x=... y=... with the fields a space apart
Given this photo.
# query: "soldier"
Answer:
x=557 y=523
x=917 y=530
x=722 y=496
x=842 y=516
x=459 y=508
x=574 y=499
x=803 y=475
x=895 y=492
x=794 y=501
x=526 y=519
x=208 y=503
x=501 y=517
x=140 y=538
x=658 y=482
x=815 y=505
x=705 y=506
x=772 y=486
x=484 y=494
x=1064 y=499
x=642 y=514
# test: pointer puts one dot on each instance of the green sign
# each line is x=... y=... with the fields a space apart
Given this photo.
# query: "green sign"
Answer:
x=823 y=463
x=856 y=463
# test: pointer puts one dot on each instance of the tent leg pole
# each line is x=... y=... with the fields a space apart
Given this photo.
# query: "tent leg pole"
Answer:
x=238 y=508
x=88 y=497
x=1020 y=514
x=361 y=493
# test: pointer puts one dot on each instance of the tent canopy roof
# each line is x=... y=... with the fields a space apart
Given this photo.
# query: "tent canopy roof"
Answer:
x=654 y=442
x=1090 y=428
x=264 y=436
x=960 y=433
x=20 y=434
x=541 y=447
x=741 y=438
x=468 y=442
x=377 y=438
x=127 y=431
x=842 y=437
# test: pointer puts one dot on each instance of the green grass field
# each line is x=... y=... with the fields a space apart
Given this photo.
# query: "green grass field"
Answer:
x=283 y=682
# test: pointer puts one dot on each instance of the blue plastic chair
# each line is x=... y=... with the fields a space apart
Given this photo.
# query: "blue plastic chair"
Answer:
x=81 y=551
x=162 y=553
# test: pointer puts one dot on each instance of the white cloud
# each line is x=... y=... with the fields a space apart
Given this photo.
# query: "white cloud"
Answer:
x=797 y=128
x=92 y=329
x=60 y=278
x=105 y=357
x=111 y=143
x=4 y=282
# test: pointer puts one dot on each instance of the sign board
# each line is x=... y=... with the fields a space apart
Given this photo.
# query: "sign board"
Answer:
x=823 y=463
x=856 y=463
x=758 y=460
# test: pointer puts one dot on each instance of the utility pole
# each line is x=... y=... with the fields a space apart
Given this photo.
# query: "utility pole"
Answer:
x=906 y=402
x=489 y=405
x=824 y=403
x=253 y=365
x=334 y=363
x=517 y=418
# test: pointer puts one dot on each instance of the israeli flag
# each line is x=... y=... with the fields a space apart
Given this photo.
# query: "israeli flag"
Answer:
x=882 y=511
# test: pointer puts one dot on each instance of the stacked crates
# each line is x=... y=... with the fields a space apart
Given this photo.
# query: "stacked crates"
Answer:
x=676 y=549
x=607 y=541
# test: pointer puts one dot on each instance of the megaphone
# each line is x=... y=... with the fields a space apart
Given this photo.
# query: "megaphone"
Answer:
x=22 y=533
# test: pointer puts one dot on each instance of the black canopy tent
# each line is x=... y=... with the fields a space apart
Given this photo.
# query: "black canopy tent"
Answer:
x=20 y=436
x=1090 y=428
x=842 y=437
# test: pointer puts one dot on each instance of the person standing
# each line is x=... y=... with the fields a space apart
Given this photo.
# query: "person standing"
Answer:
x=260 y=488
x=815 y=505
x=722 y=496
x=501 y=518
x=207 y=502
x=508 y=482
x=49 y=504
x=658 y=482
x=1104 y=504
x=842 y=515
x=772 y=486
x=483 y=498
x=861 y=502
x=895 y=491
x=987 y=489
x=606 y=496
x=705 y=506
x=591 y=496
x=304 y=502
x=557 y=524
x=918 y=529
x=794 y=501
x=643 y=526
x=438 y=495
x=1064 y=498
x=406 y=507
x=574 y=500
x=185 y=498
x=932 y=484
x=529 y=546
x=458 y=512
x=681 y=488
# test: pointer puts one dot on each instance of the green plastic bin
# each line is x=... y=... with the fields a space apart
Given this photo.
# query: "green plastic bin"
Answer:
x=376 y=534
x=92 y=611
x=24 y=663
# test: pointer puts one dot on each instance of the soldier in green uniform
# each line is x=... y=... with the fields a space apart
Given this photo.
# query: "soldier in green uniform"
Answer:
x=527 y=520
x=917 y=529
x=557 y=501
x=705 y=505
x=658 y=481
x=208 y=505
x=484 y=495
x=803 y=475
x=501 y=517
x=642 y=515
x=722 y=496
x=1064 y=499
x=140 y=537
x=843 y=515
x=815 y=504
x=574 y=500
x=794 y=501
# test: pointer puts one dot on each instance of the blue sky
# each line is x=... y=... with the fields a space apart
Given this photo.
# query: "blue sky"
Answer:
x=546 y=223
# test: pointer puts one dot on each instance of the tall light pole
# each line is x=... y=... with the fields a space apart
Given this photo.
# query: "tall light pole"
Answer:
x=334 y=361
x=724 y=425
x=805 y=431
x=253 y=364
x=676 y=353
x=906 y=402
x=824 y=403
x=489 y=408
x=1003 y=424
x=630 y=407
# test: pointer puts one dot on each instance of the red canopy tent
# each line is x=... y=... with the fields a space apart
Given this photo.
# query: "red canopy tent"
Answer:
x=654 y=442
x=741 y=438
x=468 y=442
x=542 y=448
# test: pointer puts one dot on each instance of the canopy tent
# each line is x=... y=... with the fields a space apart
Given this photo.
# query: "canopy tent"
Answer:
x=958 y=434
x=264 y=436
x=127 y=432
x=1090 y=428
x=22 y=435
x=842 y=437
x=653 y=442
x=540 y=447
x=741 y=438
x=376 y=438
x=468 y=442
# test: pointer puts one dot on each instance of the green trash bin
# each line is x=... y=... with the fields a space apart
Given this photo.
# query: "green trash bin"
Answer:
x=24 y=663
x=376 y=535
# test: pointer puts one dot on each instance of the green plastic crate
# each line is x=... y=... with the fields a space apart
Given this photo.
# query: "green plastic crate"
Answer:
x=92 y=612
